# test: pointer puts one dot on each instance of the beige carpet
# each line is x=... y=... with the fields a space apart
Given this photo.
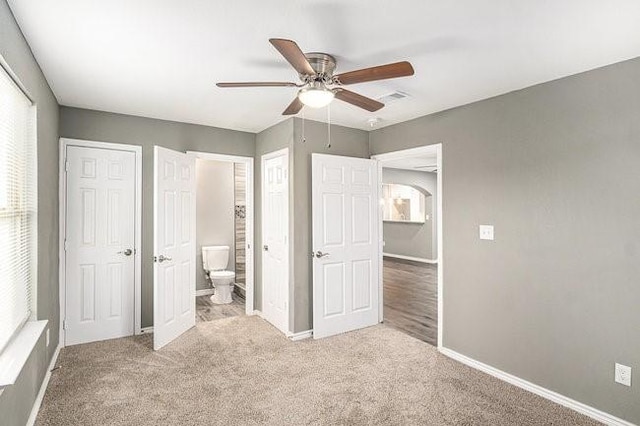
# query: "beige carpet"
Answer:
x=241 y=371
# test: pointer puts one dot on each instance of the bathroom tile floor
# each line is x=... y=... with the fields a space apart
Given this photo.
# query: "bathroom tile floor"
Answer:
x=209 y=311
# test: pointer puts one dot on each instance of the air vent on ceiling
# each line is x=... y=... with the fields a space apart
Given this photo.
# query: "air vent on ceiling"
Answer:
x=392 y=97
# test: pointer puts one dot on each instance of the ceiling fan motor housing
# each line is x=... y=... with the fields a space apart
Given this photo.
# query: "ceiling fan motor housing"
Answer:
x=323 y=65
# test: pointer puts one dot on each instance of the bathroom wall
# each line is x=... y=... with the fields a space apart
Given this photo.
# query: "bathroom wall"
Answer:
x=240 y=197
x=413 y=239
x=215 y=216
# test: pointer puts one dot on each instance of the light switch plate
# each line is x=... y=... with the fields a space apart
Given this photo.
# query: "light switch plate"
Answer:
x=623 y=374
x=486 y=232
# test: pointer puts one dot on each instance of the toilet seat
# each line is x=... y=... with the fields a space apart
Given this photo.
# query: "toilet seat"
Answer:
x=221 y=274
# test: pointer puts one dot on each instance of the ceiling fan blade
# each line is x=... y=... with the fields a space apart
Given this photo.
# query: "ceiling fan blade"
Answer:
x=382 y=72
x=358 y=100
x=258 y=84
x=292 y=53
x=294 y=107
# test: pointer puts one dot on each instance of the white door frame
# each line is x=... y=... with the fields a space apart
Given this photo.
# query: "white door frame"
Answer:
x=410 y=153
x=62 y=200
x=263 y=159
x=249 y=248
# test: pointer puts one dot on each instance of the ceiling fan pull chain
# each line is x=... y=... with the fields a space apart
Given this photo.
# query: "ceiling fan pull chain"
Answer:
x=328 y=126
x=304 y=138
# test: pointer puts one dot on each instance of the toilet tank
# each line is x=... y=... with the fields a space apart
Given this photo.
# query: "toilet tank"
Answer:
x=215 y=258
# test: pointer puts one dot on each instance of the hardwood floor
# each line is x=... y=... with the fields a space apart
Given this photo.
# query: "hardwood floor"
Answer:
x=411 y=298
x=209 y=311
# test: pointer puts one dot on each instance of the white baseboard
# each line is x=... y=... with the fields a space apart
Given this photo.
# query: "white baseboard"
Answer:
x=415 y=259
x=587 y=410
x=204 y=292
x=146 y=330
x=258 y=313
x=294 y=337
x=43 y=389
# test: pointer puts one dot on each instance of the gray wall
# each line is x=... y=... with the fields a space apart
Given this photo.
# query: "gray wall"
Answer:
x=147 y=132
x=16 y=401
x=413 y=239
x=274 y=138
x=555 y=167
x=215 y=212
x=344 y=141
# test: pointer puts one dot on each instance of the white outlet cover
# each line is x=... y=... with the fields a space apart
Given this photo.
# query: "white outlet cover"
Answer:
x=623 y=374
x=486 y=232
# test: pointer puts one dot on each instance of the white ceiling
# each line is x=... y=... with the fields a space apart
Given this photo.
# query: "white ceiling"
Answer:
x=161 y=58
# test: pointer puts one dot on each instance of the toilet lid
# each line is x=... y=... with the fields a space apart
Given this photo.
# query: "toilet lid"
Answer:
x=222 y=274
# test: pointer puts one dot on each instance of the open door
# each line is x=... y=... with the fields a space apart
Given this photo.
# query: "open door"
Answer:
x=174 y=245
x=345 y=244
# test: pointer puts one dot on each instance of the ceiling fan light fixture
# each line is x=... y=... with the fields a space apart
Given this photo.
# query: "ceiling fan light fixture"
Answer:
x=316 y=97
x=316 y=72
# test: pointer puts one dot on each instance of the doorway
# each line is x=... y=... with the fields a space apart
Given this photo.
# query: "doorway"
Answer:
x=100 y=211
x=410 y=183
x=224 y=230
x=175 y=248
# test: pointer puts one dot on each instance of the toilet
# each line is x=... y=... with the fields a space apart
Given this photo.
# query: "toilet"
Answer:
x=214 y=261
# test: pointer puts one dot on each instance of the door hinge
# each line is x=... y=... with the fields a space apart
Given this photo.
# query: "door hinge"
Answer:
x=64 y=324
x=66 y=245
x=66 y=166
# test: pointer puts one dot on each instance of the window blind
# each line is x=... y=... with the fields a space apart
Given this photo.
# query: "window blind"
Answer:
x=18 y=208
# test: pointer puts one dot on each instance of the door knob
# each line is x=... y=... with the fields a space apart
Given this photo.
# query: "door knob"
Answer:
x=265 y=247
x=162 y=258
x=127 y=252
x=320 y=254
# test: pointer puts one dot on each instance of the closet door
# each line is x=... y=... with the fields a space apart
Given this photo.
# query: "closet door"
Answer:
x=275 y=239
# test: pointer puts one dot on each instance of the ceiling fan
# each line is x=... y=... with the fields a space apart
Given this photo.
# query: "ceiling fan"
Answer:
x=319 y=85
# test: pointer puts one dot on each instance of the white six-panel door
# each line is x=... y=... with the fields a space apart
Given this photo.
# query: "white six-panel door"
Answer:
x=174 y=278
x=99 y=244
x=345 y=243
x=275 y=239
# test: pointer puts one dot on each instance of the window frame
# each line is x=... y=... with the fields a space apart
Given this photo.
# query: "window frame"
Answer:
x=15 y=351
